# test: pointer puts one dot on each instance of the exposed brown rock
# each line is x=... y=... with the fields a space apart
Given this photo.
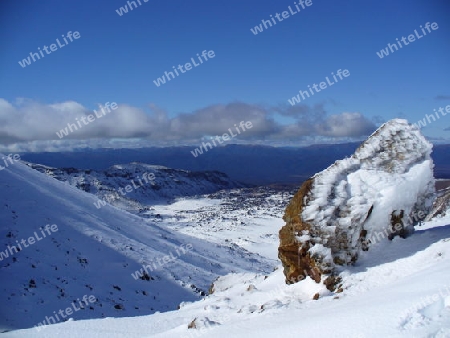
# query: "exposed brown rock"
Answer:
x=397 y=228
x=297 y=263
x=332 y=282
x=211 y=289
x=192 y=325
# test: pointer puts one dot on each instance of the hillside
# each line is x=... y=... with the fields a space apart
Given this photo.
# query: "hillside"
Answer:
x=147 y=184
x=399 y=289
x=94 y=252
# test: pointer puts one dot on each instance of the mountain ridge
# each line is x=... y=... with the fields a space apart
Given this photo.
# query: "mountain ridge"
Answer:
x=148 y=184
x=243 y=163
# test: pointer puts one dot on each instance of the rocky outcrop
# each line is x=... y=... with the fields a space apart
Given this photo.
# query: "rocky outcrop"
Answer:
x=441 y=206
x=374 y=195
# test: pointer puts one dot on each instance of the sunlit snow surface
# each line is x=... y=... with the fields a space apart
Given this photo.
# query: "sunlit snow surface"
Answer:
x=402 y=290
x=399 y=288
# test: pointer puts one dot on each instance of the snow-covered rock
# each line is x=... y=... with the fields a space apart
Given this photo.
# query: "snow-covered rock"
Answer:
x=441 y=206
x=382 y=190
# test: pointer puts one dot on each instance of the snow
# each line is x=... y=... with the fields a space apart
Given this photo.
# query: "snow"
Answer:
x=115 y=245
x=249 y=219
x=399 y=288
x=401 y=291
x=391 y=171
x=149 y=185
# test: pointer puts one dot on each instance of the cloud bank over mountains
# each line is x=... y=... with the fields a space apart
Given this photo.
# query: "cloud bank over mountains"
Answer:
x=31 y=125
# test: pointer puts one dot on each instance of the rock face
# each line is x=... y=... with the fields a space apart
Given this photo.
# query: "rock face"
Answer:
x=441 y=206
x=381 y=191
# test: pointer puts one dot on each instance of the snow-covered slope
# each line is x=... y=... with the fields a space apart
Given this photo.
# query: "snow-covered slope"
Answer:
x=400 y=289
x=95 y=252
x=149 y=184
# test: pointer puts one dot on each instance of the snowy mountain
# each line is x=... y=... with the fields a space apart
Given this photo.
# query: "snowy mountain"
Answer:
x=399 y=288
x=57 y=247
x=147 y=184
x=222 y=243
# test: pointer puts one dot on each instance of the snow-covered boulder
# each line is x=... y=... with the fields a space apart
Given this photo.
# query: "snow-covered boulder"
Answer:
x=382 y=190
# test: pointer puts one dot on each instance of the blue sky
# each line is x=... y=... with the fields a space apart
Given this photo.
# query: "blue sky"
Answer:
x=117 y=58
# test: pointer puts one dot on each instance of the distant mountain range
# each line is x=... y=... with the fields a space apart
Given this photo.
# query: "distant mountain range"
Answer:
x=254 y=164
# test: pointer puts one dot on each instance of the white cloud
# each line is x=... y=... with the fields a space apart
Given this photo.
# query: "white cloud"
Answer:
x=345 y=125
x=28 y=124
